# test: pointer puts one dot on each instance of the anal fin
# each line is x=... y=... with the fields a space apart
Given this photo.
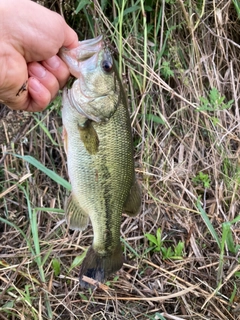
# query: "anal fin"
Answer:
x=76 y=217
x=133 y=204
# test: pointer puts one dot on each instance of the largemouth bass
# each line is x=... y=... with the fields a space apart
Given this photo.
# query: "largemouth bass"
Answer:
x=98 y=143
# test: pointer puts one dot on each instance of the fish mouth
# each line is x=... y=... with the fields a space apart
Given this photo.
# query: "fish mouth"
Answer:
x=85 y=50
x=88 y=48
x=91 y=42
x=84 y=57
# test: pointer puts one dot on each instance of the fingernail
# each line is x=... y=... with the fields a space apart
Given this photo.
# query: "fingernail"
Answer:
x=38 y=70
x=35 y=85
x=53 y=62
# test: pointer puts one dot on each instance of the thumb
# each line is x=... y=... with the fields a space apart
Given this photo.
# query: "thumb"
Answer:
x=70 y=37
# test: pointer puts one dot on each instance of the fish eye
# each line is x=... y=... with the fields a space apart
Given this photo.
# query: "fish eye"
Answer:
x=107 y=66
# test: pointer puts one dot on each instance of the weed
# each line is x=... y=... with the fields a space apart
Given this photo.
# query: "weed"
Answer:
x=214 y=102
x=110 y=283
x=166 y=70
x=156 y=244
x=225 y=240
x=202 y=179
x=56 y=266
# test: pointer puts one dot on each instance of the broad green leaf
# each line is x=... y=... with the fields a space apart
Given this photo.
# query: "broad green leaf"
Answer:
x=151 y=238
x=81 y=5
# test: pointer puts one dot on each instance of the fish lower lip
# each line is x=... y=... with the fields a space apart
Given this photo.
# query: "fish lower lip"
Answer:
x=92 y=41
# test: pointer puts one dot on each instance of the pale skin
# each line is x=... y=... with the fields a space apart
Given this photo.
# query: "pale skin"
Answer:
x=31 y=73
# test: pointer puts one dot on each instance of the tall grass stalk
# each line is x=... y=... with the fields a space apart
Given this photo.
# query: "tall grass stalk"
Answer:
x=145 y=39
x=120 y=9
x=37 y=250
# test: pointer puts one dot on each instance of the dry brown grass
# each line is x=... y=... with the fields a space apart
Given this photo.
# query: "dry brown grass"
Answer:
x=203 y=52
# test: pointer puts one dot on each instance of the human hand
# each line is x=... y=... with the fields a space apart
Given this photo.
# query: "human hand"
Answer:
x=31 y=73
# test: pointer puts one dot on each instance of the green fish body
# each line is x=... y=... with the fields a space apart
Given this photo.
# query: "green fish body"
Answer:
x=98 y=142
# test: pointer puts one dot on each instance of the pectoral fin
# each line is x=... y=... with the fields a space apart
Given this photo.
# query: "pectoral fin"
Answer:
x=75 y=216
x=89 y=137
x=133 y=204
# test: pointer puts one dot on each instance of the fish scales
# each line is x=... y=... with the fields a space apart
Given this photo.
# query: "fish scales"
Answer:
x=100 y=166
x=98 y=178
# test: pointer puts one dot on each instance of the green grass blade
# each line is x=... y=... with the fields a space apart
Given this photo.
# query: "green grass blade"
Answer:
x=34 y=229
x=38 y=259
x=77 y=261
x=51 y=174
x=208 y=223
x=237 y=219
x=44 y=128
x=129 y=247
x=55 y=210
x=13 y=225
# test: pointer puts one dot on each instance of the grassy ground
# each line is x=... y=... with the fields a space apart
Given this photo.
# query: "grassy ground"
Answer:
x=180 y=63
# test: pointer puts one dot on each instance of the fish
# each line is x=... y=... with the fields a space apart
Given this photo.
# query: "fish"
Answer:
x=98 y=143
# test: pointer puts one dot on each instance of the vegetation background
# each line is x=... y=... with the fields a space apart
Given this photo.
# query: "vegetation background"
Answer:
x=180 y=63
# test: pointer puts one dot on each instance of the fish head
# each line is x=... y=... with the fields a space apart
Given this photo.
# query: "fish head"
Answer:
x=84 y=50
x=95 y=93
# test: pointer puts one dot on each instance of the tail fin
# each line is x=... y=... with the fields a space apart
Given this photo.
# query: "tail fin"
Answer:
x=98 y=266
